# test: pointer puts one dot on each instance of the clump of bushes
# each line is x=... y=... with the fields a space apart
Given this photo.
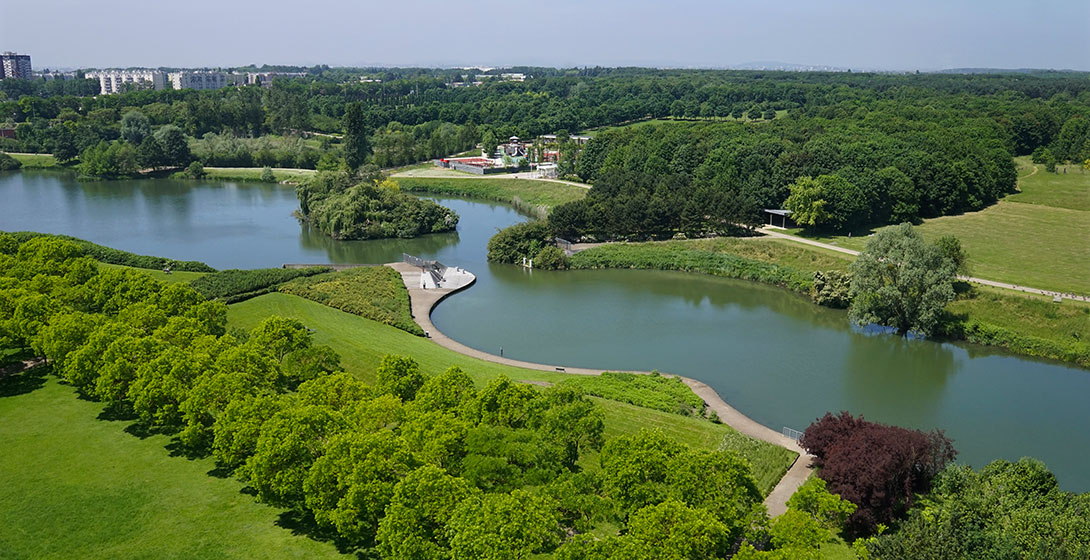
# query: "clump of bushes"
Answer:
x=370 y=206
x=8 y=163
x=668 y=394
x=530 y=240
x=117 y=256
x=235 y=285
x=832 y=288
x=373 y=292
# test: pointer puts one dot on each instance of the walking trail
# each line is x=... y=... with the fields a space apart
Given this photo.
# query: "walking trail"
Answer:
x=771 y=232
x=422 y=301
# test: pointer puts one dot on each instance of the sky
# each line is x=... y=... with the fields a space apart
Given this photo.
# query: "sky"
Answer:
x=856 y=34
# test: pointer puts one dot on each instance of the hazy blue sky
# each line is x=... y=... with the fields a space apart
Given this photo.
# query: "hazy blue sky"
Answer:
x=920 y=34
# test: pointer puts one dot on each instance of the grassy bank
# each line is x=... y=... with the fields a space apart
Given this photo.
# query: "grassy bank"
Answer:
x=251 y=174
x=534 y=197
x=763 y=260
x=75 y=486
x=362 y=344
x=36 y=161
x=1023 y=323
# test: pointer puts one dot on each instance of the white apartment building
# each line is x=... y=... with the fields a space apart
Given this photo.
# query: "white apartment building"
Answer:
x=198 y=80
x=112 y=81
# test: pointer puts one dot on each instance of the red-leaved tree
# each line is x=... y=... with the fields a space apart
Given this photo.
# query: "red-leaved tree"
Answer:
x=877 y=467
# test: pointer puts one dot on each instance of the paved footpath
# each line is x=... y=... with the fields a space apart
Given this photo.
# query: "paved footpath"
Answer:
x=771 y=232
x=422 y=301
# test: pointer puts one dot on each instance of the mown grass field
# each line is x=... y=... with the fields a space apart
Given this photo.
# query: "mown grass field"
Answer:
x=1070 y=189
x=75 y=486
x=1039 y=237
x=254 y=173
x=529 y=192
x=36 y=161
x=362 y=344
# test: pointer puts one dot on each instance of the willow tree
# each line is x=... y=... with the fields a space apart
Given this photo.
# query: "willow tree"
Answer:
x=901 y=281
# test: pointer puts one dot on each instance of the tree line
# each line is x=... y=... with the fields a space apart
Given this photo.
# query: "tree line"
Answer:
x=414 y=466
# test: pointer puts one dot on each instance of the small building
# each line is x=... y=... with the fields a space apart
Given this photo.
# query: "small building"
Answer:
x=780 y=218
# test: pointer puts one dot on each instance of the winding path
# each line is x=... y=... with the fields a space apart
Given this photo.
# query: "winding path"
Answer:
x=422 y=301
x=771 y=232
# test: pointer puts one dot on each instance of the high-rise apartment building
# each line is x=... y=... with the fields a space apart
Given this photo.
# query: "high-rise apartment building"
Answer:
x=14 y=65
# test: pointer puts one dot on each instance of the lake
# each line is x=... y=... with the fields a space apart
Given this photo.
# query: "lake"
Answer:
x=769 y=353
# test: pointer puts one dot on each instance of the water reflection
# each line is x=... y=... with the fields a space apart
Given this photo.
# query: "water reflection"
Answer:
x=899 y=378
x=375 y=251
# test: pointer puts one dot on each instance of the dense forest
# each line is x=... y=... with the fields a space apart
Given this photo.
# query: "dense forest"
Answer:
x=1031 y=110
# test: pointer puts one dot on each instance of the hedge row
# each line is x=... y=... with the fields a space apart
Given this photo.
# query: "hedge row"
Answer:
x=238 y=285
x=117 y=256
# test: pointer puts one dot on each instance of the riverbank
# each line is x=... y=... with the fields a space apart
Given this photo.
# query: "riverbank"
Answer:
x=35 y=161
x=1024 y=323
x=423 y=301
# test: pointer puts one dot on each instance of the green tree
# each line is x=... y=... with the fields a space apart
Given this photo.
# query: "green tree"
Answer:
x=828 y=201
x=672 y=530
x=448 y=391
x=64 y=143
x=290 y=443
x=415 y=524
x=827 y=509
x=901 y=281
x=951 y=248
x=635 y=469
x=718 y=481
x=135 y=126
x=350 y=486
x=357 y=144
x=503 y=526
x=489 y=143
x=399 y=376
x=175 y=146
x=235 y=432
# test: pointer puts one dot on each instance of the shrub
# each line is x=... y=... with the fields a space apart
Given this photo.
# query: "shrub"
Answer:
x=8 y=163
x=668 y=394
x=551 y=257
x=267 y=175
x=373 y=292
x=877 y=467
x=511 y=245
x=832 y=289
x=195 y=170
x=238 y=285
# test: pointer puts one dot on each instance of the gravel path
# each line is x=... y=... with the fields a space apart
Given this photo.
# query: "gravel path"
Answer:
x=422 y=301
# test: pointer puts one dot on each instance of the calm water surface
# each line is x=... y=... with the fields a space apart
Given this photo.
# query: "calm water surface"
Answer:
x=769 y=353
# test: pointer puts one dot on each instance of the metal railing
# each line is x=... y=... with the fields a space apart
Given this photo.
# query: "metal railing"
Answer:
x=792 y=433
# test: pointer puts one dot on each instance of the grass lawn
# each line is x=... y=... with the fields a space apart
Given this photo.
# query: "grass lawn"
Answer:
x=254 y=173
x=172 y=278
x=374 y=292
x=362 y=344
x=75 y=486
x=526 y=191
x=1069 y=190
x=36 y=161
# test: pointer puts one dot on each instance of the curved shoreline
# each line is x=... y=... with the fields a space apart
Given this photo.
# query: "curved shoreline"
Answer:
x=423 y=301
